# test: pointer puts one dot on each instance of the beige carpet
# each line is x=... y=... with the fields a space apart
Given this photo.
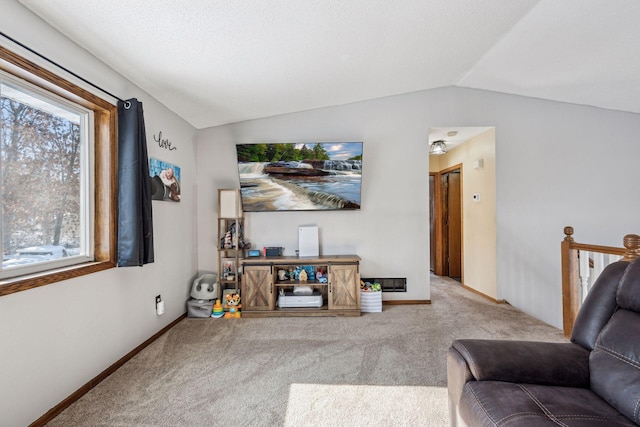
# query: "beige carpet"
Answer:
x=379 y=369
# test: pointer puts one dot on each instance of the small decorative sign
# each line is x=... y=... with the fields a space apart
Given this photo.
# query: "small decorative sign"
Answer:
x=164 y=143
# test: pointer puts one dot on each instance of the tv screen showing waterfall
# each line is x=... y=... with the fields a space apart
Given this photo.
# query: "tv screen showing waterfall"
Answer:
x=307 y=176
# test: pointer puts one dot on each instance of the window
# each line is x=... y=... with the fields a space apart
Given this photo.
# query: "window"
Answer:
x=57 y=186
x=45 y=176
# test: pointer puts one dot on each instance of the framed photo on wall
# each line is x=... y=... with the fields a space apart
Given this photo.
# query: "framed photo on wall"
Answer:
x=165 y=181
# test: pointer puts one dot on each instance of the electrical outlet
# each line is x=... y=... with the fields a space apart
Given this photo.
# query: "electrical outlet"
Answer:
x=159 y=306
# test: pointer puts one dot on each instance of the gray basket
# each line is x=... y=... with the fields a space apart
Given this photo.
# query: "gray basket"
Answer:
x=199 y=307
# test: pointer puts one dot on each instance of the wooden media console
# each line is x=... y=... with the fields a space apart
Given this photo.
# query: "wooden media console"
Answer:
x=336 y=278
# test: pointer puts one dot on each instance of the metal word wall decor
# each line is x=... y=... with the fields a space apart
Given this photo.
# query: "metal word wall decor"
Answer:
x=164 y=143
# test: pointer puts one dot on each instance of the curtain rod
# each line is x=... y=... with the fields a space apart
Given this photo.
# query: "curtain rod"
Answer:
x=60 y=66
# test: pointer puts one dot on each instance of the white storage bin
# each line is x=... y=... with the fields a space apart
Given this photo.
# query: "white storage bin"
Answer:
x=290 y=299
x=370 y=302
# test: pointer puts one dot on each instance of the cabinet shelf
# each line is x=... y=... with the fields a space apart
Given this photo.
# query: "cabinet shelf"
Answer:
x=298 y=283
x=301 y=309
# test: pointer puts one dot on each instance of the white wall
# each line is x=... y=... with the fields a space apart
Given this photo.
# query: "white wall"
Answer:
x=55 y=338
x=390 y=232
x=550 y=172
x=557 y=164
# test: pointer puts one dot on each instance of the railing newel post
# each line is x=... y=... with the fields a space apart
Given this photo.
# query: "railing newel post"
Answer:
x=632 y=243
x=570 y=299
x=568 y=234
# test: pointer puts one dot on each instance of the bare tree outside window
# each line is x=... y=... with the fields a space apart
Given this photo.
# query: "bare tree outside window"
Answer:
x=58 y=177
x=41 y=170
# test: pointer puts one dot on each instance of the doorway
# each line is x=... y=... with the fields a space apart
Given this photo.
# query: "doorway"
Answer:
x=445 y=206
x=463 y=207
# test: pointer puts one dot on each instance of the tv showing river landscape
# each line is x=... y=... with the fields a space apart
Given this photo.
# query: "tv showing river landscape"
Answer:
x=306 y=176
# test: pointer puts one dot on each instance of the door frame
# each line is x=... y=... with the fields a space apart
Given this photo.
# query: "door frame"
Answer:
x=438 y=268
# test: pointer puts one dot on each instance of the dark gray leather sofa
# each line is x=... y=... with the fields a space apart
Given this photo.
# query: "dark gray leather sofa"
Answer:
x=592 y=381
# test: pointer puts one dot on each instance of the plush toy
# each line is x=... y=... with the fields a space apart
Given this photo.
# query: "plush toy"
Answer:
x=228 y=243
x=232 y=303
x=370 y=287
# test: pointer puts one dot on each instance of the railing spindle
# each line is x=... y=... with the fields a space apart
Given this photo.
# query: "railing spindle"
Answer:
x=600 y=261
x=583 y=257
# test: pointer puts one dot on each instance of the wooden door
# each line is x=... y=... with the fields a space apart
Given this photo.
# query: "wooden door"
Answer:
x=448 y=226
x=453 y=222
x=344 y=287
x=257 y=288
x=432 y=221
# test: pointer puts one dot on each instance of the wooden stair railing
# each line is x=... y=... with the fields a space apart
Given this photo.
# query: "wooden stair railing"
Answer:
x=571 y=280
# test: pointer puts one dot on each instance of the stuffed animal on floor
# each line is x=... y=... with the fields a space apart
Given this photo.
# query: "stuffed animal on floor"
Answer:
x=232 y=303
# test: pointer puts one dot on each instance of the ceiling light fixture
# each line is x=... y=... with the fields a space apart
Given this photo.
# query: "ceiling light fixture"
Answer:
x=438 y=147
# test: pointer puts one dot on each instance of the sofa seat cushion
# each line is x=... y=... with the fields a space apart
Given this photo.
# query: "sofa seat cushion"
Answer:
x=496 y=403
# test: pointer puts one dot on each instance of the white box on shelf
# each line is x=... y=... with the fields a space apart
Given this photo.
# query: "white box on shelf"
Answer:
x=370 y=302
x=308 y=241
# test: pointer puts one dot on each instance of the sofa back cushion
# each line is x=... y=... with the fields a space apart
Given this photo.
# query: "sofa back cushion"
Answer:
x=599 y=305
x=614 y=363
x=628 y=296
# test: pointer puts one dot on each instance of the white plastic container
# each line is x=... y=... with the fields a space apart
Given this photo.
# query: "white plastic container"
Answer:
x=290 y=300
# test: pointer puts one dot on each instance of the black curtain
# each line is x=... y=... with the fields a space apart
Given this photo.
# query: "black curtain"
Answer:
x=135 y=218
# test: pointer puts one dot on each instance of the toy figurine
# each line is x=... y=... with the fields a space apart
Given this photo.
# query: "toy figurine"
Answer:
x=236 y=235
x=303 y=276
x=228 y=244
x=321 y=276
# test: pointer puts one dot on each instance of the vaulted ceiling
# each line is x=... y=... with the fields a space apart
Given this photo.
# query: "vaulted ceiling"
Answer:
x=224 y=61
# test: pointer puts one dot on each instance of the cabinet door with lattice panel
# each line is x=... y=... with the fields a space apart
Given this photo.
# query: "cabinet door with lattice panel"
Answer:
x=344 y=287
x=257 y=288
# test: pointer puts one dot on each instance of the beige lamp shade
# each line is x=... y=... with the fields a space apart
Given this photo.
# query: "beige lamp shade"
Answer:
x=229 y=205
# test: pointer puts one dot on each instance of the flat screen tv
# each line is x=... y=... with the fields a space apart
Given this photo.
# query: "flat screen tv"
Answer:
x=305 y=176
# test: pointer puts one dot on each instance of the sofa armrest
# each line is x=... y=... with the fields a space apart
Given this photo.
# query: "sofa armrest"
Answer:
x=458 y=374
x=560 y=364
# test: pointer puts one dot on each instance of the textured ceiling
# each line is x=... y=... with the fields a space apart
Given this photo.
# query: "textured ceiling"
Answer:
x=224 y=61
